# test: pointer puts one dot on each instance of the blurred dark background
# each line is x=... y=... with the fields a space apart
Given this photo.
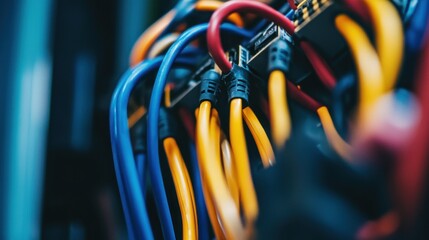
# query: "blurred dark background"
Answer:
x=60 y=61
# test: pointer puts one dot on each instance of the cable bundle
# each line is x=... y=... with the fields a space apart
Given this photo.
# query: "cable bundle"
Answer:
x=220 y=193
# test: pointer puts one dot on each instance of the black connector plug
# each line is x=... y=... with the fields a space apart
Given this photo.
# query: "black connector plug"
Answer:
x=167 y=126
x=237 y=84
x=280 y=56
x=210 y=86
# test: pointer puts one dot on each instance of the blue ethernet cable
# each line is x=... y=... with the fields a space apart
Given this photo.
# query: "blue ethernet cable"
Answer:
x=129 y=187
x=119 y=176
x=135 y=212
x=141 y=165
x=153 y=117
x=203 y=219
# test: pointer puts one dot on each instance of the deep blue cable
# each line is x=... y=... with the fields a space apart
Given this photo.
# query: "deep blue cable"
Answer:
x=132 y=200
x=290 y=14
x=119 y=177
x=141 y=165
x=416 y=29
x=122 y=148
x=153 y=117
x=203 y=219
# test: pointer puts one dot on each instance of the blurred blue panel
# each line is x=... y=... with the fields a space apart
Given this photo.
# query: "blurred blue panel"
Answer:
x=134 y=17
x=84 y=83
x=25 y=110
x=8 y=14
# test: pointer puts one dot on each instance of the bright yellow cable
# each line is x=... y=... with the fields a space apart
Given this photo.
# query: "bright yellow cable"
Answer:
x=184 y=191
x=189 y=183
x=239 y=150
x=219 y=142
x=389 y=38
x=215 y=134
x=279 y=110
x=367 y=63
x=260 y=136
x=340 y=146
x=145 y=41
x=211 y=210
x=223 y=151
x=213 y=6
x=230 y=169
x=229 y=214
